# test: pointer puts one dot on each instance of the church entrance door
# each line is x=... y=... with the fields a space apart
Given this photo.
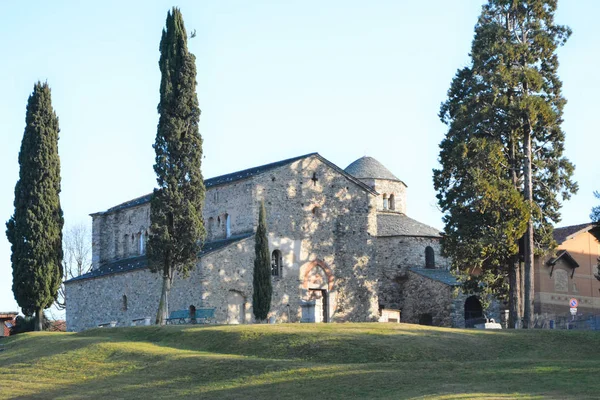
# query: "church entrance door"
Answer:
x=235 y=307
x=319 y=296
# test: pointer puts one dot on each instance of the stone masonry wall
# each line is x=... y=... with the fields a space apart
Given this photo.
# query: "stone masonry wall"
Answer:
x=100 y=300
x=388 y=188
x=394 y=255
x=314 y=214
x=421 y=295
x=119 y=235
x=233 y=201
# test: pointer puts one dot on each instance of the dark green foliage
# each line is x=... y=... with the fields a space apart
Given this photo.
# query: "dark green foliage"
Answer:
x=509 y=96
x=177 y=229
x=35 y=229
x=22 y=325
x=486 y=214
x=595 y=215
x=261 y=283
x=27 y=324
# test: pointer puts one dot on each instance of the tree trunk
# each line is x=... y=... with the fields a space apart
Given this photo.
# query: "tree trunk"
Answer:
x=529 y=256
x=522 y=289
x=163 y=305
x=515 y=301
x=39 y=319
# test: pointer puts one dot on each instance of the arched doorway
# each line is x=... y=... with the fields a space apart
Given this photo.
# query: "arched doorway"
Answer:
x=318 y=283
x=426 y=319
x=236 y=309
x=192 y=310
x=473 y=311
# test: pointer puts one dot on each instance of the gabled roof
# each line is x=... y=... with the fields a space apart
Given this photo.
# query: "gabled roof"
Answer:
x=346 y=175
x=8 y=314
x=141 y=262
x=566 y=256
x=244 y=174
x=439 y=275
x=397 y=224
x=565 y=233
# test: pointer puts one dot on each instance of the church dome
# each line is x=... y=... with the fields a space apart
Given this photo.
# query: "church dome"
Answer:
x=369 y=168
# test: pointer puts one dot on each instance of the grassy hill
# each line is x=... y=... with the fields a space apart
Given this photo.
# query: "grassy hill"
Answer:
x=297 y=361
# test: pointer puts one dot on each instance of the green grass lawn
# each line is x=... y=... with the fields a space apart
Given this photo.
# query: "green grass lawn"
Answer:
x=298 y=361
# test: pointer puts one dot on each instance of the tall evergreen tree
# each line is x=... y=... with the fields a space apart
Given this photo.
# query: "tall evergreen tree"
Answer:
x=35 y=229
x=595 y=215
x=486 y=214
x=511 y=95
x=177 y=229
x=262 y=288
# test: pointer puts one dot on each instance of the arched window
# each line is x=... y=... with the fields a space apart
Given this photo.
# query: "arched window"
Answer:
x=211 y=227
x=142 y=243
x=124 y=305
x=429 y=257
x=227 y=225
x=117 y=248
x=316 y=211
x=276 y=263
x=392 y=202
x=126 y=245
x=385 y=201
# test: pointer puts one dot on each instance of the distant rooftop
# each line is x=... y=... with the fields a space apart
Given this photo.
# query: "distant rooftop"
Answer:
x=440 y=275
x=395 y=224
x=568 y=232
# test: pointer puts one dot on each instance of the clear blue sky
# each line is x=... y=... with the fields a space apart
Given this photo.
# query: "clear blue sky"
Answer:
x=276 y=79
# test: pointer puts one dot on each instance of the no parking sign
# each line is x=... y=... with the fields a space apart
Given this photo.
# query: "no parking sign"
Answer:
x=573 y=303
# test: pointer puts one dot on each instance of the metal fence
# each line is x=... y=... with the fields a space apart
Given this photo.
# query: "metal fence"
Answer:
x=579 y=322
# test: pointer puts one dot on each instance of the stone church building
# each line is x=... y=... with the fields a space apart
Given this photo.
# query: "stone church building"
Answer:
x=342 y=246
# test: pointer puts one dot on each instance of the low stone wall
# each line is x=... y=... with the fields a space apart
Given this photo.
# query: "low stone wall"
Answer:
x=422 y=296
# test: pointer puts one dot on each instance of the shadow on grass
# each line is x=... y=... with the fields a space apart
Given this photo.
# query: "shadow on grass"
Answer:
x=364 y=343
x=157 y=372
x=300 y=361
x=34 y=345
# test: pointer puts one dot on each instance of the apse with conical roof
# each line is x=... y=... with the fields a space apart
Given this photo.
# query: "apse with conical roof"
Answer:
x=392 y=191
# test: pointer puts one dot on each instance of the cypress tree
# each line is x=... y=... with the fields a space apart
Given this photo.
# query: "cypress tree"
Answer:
x=177 y=229
x=511 y=95
x=261 y=282
x=35 y=229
